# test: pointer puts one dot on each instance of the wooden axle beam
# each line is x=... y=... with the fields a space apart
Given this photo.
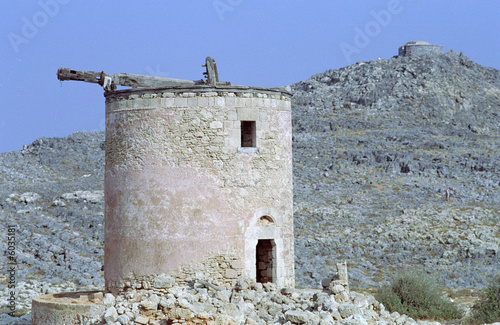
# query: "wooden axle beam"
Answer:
x=109 y=82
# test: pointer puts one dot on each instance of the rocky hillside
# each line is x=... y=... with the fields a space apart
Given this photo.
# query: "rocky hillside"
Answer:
x=376 y=144
x=52 y=192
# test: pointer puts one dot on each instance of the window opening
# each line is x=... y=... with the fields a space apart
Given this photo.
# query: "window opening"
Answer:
x=248 y=134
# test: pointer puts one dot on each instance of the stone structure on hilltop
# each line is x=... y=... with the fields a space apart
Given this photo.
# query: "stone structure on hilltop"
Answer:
x=414 y=48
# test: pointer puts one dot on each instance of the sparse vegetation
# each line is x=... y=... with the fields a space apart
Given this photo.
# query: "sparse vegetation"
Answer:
x=415 y=294
x=488 y=309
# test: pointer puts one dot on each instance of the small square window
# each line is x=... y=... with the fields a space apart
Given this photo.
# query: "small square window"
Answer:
x=248 y=138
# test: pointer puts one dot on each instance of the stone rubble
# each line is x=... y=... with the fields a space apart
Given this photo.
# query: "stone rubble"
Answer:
x=247 y=303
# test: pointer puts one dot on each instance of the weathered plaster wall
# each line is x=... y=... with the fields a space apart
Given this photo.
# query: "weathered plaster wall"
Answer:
x=180 y=191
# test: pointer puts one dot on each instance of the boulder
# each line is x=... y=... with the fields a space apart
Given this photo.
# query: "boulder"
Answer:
x=298 y=316
x=163 y=281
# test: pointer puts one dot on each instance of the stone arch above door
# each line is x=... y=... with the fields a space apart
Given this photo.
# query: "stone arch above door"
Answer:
x=265 y=221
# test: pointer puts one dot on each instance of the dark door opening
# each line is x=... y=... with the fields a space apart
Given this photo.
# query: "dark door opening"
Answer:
x=265 y=262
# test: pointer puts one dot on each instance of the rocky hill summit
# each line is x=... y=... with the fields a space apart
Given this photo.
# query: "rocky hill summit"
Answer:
x=376 y=145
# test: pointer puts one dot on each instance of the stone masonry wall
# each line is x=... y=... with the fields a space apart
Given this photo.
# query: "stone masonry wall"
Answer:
x=222 y=271
x=416 y=49
x=181 y=191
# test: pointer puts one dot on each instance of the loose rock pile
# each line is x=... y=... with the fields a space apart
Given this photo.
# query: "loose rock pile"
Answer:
x=199 y=302
x=248 y=303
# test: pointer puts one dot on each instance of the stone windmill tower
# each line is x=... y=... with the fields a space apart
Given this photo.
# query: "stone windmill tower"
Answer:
x=198 y=181
x=415 y=48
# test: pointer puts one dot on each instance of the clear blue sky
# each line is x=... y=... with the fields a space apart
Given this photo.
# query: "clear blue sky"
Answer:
x=255 y=42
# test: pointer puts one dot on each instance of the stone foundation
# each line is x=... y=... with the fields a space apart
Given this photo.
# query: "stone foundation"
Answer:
x=219 y=270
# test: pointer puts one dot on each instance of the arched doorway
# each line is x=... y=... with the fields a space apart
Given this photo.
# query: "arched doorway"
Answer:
x=264 y=248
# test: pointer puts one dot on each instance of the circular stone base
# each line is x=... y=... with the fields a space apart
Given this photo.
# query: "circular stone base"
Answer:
x=66 y=308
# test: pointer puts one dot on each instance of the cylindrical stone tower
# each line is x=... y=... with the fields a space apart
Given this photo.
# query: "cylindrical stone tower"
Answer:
x=198 y=185
x=415 y=48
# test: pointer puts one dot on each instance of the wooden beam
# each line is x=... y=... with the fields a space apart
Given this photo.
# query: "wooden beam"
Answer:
x=109 y=82
x=87 y=76
x=140 y=81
